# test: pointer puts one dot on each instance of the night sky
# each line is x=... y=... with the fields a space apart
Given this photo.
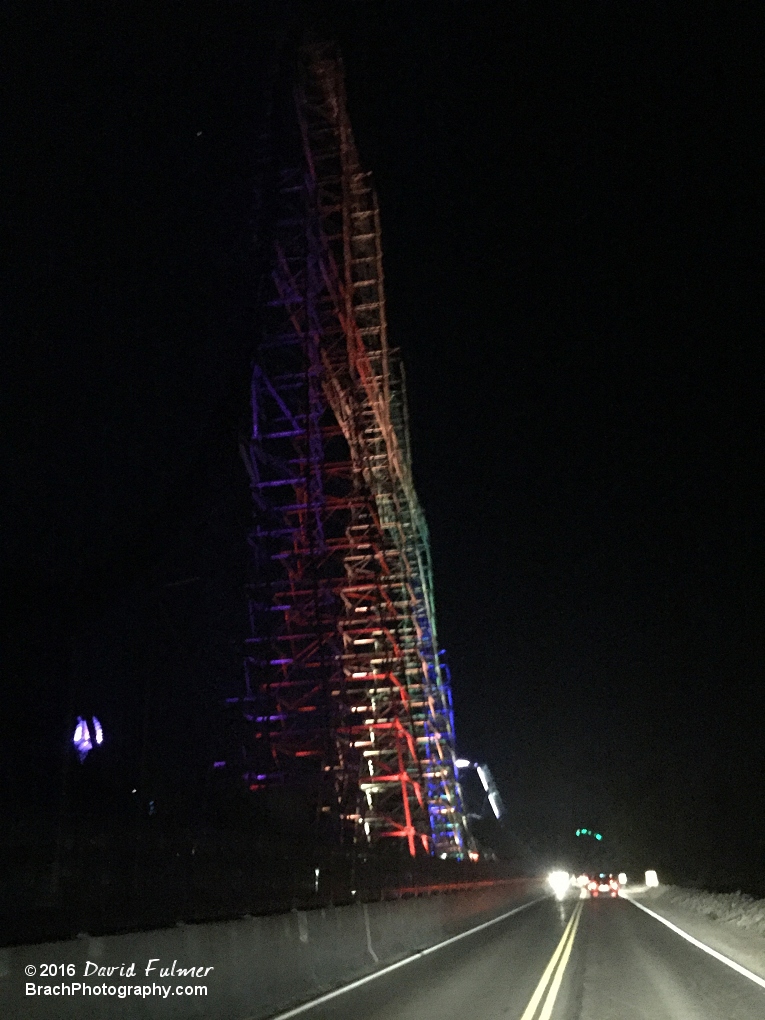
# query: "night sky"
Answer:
x=572 y=214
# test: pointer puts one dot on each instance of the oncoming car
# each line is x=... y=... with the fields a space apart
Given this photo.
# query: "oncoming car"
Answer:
x=606 y=885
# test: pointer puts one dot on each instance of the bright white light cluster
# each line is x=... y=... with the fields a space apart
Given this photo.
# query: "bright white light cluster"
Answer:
x=559 y=883
x=651 y=879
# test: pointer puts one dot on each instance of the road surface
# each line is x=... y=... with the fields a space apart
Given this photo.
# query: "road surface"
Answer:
x=579 y=959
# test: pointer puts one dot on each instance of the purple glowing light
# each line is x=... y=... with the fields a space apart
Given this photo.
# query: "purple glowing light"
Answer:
x=82 y=738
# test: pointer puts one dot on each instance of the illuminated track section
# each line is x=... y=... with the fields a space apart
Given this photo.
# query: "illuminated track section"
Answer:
x=347 y=705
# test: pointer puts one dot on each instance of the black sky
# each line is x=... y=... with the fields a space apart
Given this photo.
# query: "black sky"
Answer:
x=572 y=224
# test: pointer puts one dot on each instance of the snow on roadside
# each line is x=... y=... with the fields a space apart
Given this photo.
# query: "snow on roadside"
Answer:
x=736 y=909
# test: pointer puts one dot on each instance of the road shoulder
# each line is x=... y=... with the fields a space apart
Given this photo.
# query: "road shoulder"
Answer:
x=745 y=947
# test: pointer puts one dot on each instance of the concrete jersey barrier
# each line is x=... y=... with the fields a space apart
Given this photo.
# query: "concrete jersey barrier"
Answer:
x=249 y=968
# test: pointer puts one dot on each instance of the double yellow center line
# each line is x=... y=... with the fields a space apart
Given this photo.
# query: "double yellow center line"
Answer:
x=553 y=974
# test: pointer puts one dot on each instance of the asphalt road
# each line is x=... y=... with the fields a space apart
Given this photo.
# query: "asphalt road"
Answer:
x=579 y=959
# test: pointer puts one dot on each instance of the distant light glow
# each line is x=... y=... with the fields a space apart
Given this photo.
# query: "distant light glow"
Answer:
x=559 y=882
x=651 y=879
x=598 y=836
x=463 y=763
x=473 y=855
x=98 y=731
x=218 y=764
x=483 y=777
x=622 y=878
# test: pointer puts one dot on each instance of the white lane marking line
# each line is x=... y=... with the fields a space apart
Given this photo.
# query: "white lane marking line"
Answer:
x=702 y=945
x=552 y=995
x=400 y=963
x=539 y=991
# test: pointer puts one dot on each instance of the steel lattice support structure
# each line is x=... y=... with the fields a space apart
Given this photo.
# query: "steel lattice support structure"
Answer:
x=346 y=701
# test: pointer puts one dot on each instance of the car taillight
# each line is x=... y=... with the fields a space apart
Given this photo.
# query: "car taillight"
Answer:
x=614 y=885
